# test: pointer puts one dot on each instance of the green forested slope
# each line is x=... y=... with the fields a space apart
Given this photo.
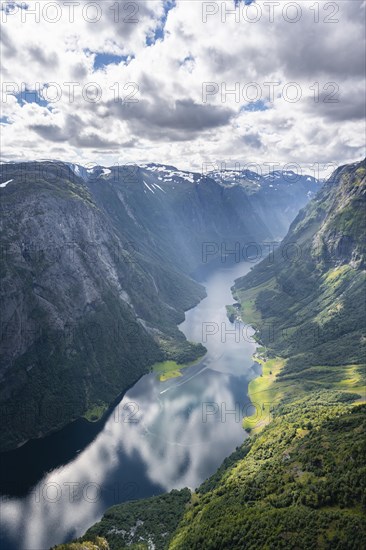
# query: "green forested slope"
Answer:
x=308 y=300
x=300 y=485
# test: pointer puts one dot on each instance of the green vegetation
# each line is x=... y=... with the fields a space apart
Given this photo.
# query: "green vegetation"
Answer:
x=232 y=313
x=264 y=394
x=166 y=370
x=142 y=524
x=96 y=412
x=95 y=543
x=308 y=307
x=299 y=484
x=248 y=310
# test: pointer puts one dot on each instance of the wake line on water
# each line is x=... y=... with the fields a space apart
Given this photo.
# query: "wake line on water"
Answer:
x=193 y=375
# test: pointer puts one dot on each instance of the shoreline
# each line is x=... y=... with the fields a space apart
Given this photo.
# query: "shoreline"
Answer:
x=167 y=370
x=262 y=393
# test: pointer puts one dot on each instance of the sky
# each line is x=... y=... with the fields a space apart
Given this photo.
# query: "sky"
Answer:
x=247 y=83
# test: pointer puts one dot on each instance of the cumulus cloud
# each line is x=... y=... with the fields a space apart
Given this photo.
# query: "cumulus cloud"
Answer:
x=177 y=121
x=296 y=58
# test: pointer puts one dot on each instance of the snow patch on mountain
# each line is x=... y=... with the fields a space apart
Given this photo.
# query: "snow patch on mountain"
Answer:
x=169 y=173
x=149 y=188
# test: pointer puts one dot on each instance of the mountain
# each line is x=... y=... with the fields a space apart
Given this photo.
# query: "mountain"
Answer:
x=299 y=480
x=96 y=273
x=276 y=196
x=311 y=291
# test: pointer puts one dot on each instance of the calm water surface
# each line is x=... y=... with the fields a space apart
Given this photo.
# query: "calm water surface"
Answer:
x=160 y=436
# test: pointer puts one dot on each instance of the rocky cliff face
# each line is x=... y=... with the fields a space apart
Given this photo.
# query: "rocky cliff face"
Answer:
x=95 y=276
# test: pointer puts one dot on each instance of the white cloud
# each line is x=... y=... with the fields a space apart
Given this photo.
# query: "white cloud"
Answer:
x=170 y=122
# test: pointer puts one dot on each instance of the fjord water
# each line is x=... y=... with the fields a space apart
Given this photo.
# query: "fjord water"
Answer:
x=160 y=436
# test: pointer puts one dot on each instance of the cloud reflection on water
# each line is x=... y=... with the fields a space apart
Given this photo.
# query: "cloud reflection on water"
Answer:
x=171 y=446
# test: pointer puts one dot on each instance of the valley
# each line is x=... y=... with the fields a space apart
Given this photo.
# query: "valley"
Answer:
x=298 y=481
x=294 y=379
x=99 y=266
x=182 y=275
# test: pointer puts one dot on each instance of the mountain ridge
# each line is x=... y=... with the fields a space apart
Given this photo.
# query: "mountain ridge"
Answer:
x=96 y=273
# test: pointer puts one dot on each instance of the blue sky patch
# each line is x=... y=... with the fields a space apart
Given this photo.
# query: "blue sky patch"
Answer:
x=246 y=2
x=159 y=32
x=9 y=8
x=253 y=106
x=104 y=59
x=30 y=96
